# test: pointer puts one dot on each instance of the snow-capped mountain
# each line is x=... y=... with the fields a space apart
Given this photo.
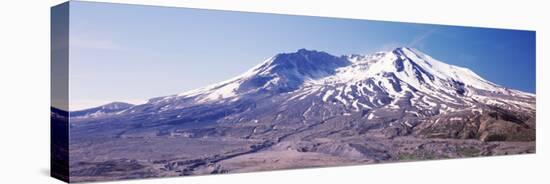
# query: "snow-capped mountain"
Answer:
x=368 y=108
x=403 y=83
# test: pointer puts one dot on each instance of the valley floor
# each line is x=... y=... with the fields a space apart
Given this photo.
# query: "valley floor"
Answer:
x=128 y=158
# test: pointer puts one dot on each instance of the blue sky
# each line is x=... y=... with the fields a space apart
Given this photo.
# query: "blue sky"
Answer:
x=132 y=53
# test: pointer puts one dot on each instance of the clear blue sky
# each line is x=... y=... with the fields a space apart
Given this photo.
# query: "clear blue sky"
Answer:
x=133 y=53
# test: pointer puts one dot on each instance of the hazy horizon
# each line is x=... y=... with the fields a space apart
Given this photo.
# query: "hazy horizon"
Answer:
x=131 y=53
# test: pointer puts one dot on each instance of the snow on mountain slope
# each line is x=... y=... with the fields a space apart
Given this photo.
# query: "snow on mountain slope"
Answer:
x=407 y=73
x=413 y=68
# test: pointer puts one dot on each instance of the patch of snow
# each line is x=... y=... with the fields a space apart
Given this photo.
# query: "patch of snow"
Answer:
x=327 y=95
x=342 y=100
x=456 y=119
x=370 y=116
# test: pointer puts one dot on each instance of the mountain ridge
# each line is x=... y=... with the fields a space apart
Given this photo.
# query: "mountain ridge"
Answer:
x=287 y=72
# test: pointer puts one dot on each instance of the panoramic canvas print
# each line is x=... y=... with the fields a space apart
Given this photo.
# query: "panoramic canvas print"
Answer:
x=147 y=91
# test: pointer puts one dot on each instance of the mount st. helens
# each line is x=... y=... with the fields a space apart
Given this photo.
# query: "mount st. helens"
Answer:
x=307 y=109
